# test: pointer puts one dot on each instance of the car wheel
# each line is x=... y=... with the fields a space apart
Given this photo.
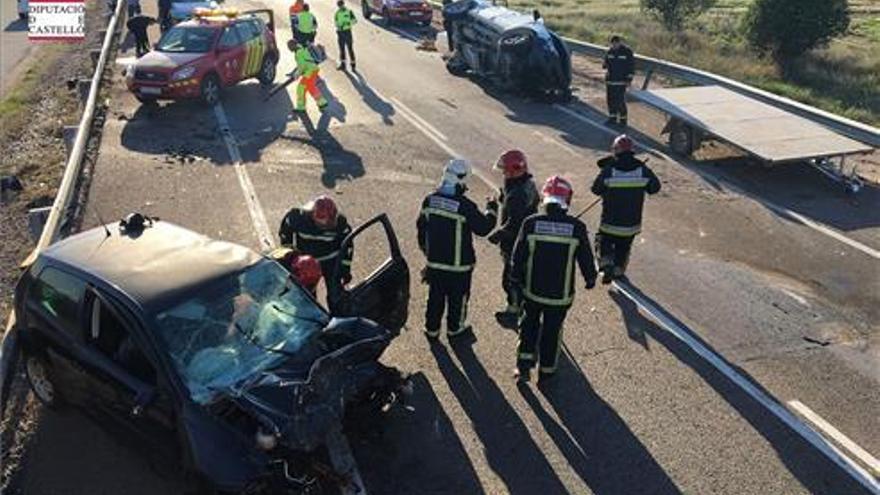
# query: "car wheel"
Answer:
x=210 y=90
x=39 y=377
x=365 y=8
x=386 y=18
x=267 y=71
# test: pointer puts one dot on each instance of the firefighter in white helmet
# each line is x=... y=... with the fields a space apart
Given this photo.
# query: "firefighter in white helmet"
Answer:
x=446 y=224
x=548 y=247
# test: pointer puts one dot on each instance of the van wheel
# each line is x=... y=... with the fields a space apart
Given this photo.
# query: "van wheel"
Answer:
x=39 y=377
x=365 y=8
x=210 y=90
x=267 y=71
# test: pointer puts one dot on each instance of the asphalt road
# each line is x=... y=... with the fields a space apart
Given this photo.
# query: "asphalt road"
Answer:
x=634 y=410
x=13 y=39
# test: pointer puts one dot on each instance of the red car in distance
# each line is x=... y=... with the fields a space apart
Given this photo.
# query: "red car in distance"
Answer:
x=403 y=11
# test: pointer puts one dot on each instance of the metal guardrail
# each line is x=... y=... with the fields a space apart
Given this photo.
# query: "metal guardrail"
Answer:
x=850 y=128
x=72 y=169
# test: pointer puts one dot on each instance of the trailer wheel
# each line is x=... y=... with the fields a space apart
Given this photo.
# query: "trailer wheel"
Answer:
x=681 y=139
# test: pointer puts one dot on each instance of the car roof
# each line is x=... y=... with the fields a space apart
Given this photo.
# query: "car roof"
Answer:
x=153 y=268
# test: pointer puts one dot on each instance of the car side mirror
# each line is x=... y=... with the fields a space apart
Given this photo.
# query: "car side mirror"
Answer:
x=142 y=400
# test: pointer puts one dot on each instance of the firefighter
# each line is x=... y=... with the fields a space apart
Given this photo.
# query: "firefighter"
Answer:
x=138 y=25
x=548 y=246
x=448 y=27
x=307 y=271
x=308 y=71
x=519 y=199
x=344 y=20
x=622 y=184
x=446 y=224
x=619 y=65
x=306 y=26
x=318 y=229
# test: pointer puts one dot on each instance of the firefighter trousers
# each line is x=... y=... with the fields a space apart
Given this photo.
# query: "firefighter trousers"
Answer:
x=615 y=96
x=613 y=250
x=141 y=43
x=345 y=40
x=510 y=288
x=309 y=83
x=540 y=336
x=449 y=291
x=304 y=38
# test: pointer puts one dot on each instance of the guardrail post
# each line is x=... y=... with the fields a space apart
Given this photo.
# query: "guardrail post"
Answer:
x=37 y=220
x=83 y=86
x=95 y=55
x=648 y=76
x=68 y=133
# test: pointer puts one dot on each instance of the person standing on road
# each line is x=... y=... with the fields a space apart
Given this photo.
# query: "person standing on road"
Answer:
x=318 y=229
x=138 y=25
x=448 y=27
x=547 y=248
x=134 y=8
x=622 y=184
x=446 y=224
x=295 y=8
x=306 y=26
x=164 y=15
x=344 y=20
x=309 y=74
x=519 y=199
x=619 y=68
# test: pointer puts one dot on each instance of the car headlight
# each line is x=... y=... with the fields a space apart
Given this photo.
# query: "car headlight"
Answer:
x=184 y=73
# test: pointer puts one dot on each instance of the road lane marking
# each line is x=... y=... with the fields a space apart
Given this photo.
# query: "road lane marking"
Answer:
x=842 y=440
x=423 y=121
x=686 y=336
x=258 y=218
x=818 y=227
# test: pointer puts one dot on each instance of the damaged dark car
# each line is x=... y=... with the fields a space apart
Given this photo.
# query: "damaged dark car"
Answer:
x=209 y=354
x=508 y=48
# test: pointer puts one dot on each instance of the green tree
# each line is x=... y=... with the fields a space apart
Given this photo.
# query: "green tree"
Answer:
x=789 y=28
x=674 y=13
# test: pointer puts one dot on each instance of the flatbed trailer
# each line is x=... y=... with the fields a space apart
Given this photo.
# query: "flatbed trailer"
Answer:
x=771 y=135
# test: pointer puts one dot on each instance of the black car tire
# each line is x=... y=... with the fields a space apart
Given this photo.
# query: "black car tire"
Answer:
x=210 y=90
x=267 y=71
x=386 y=18
x=456 y=67
x=365 y=8
x=41 y=382
x=146 y=100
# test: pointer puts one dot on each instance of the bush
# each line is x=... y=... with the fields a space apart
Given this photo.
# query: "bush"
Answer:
x=674 y=13
x=789 y=28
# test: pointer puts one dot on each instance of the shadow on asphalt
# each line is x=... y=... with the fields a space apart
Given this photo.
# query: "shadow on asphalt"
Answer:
x=594 y=439
x=374 y=101
x=16 y=26
x=814 y=471
x=509 y=448
x=440 y=464
x=340 y=164
x=405 y=31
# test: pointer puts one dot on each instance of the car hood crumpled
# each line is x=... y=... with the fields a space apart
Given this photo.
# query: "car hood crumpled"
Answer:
x=302 y=404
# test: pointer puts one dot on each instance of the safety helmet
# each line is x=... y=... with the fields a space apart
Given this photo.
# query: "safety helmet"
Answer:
x=557 y=190
x=306 y=270
x=512 y=163
x=456 y=172
x=323 y=211
x=622 y=144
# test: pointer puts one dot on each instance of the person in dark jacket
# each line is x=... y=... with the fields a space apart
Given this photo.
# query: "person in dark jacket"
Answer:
x=548 y=246
x=622 y=184
x=518 y=199
x=138 y=25
x=318 y=229
x=619 y=65
x=164 y=15
x=449 y=27
x=446 y=224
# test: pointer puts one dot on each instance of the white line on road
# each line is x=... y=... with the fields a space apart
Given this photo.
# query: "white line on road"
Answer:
x=851 y=447
x=818 y=227
x=255 y=209
x=416 y=116
x=686 y=336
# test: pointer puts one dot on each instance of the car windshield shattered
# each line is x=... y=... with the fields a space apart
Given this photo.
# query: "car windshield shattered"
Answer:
x=237 y=327
x=181 y=39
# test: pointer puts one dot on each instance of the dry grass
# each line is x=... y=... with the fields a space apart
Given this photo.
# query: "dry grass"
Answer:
x=843 y=78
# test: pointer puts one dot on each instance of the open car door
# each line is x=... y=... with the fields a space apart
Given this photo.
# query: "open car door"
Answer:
x=266 y=15
x=383 y=294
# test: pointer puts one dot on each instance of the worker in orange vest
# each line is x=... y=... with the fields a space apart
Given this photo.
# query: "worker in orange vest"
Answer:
x=295 y=8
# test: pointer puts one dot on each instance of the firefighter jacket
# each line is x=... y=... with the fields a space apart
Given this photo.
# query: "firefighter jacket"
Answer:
x=446 y=226
x=619 y=65
x=300 y=231
x=519 y=199
x=623 y=184
x=344 y=19
x=305 y=62
x=547 y=248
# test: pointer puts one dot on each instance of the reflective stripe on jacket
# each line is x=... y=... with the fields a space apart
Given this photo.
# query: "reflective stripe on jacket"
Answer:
x=622 y=185
x=619 y=65
x=446 y=226
x=344 y=19
x=306 y=22
x=299 y=230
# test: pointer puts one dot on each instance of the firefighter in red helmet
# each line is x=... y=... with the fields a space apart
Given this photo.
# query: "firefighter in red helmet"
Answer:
x=622 y=184
x=518 y=199
x=547 y=248
x=307 y=271
x=318 y=229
